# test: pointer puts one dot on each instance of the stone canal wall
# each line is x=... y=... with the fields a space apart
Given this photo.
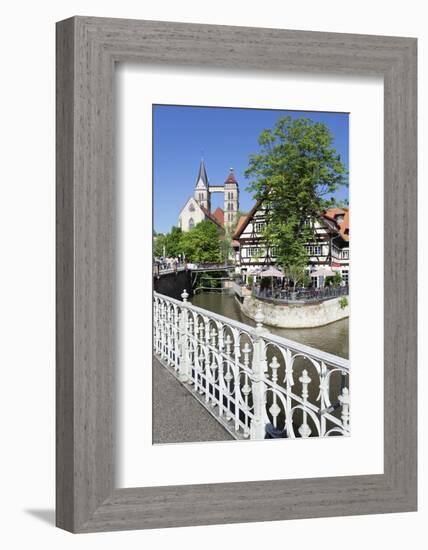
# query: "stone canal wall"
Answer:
x=173 y=284
x=295 y=315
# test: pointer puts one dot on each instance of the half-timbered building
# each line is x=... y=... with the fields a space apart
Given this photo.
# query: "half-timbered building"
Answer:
x=329 y=247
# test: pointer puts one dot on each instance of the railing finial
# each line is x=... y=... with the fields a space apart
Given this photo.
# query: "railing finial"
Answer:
x=184 y=295
x=259 y=318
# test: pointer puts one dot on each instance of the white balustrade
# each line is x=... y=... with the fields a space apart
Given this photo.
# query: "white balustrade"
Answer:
x=249 y=377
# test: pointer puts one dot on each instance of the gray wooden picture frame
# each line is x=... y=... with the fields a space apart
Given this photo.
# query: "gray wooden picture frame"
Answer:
x=87 y=50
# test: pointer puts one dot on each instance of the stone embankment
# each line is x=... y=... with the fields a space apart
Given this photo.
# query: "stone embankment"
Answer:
x=294 y=315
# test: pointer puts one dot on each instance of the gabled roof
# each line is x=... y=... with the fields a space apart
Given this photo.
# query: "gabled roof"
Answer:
x=332 y=213
x=202 y=175
x=329 y=219
x=335 y=211
x=211 y=216
x=190 y=199
x=344 y=227
x=219 y=215
x=245 y=220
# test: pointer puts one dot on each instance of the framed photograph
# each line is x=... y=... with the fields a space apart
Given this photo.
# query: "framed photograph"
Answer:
x=226 y=351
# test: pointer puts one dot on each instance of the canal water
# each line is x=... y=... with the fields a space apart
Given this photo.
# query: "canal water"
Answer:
x=332 y=338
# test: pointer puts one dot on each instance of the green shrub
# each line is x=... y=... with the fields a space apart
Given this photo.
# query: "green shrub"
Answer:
x=343 y=302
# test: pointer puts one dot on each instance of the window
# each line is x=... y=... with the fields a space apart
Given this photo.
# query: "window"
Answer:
x=345 y=254
x=345 y=276
x=192 y=207
x=191 y=223
x=313 y=249
x=259 y=226
x=254 y=251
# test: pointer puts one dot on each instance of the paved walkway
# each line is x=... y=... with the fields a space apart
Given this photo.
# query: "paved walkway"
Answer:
x=177 y=415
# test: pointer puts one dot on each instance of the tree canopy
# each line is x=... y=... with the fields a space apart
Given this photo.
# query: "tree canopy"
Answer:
x=202 y=243
x=295 y=173
x=169 y=244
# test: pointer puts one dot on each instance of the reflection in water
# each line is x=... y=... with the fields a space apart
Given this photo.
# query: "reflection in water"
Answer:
x=333 y=338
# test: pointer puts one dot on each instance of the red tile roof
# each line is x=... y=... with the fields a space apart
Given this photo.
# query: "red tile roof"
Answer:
x=344 y=227
x=212 y=217
x=231 y=177
x=330 y=214
x=333 y=212
x=219 y=215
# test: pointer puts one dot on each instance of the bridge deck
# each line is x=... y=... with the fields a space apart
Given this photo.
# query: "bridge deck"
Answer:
x=177 y=415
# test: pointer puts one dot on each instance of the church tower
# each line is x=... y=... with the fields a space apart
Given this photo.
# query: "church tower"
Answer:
x=231 y=200
x=202 y=193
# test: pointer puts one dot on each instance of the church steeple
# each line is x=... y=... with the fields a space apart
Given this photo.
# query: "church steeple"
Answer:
x=202 y=176
x=202 y=194
x=231 y=199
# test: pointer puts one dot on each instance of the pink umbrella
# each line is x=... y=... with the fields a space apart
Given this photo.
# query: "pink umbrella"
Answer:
x=323 y=272
x=272 y=272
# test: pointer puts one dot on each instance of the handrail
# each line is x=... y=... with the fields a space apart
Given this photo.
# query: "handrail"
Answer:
x=280 y=340
x=250 y=377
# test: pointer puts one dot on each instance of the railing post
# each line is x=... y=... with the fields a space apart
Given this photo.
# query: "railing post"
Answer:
x=305 y=380
x=344 y=401
x=259 y=368
x=184 y=370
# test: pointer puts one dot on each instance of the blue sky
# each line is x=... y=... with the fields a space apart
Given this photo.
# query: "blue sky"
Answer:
x=225 y=137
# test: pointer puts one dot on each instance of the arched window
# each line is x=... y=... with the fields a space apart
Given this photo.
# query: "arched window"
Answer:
x=192 y=207
x=191 y=223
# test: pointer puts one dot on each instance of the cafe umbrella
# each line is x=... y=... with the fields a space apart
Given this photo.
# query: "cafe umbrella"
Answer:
x=323 y=272
x=272 y=272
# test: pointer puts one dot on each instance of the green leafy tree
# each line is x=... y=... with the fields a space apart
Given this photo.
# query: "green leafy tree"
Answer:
x=296 y=173
x=226 y=244
x=159 y=244
x=296 y=274
x=227 y=238
x=173 y=242
x=335 y=280
x=202 y=243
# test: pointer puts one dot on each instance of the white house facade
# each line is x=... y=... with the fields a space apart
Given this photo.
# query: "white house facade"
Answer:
x=329 y=248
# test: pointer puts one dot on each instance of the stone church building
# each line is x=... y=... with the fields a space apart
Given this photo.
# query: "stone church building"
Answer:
x=198 y=207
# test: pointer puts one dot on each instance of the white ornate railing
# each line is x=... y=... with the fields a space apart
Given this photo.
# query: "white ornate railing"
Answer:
x=255 y=382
